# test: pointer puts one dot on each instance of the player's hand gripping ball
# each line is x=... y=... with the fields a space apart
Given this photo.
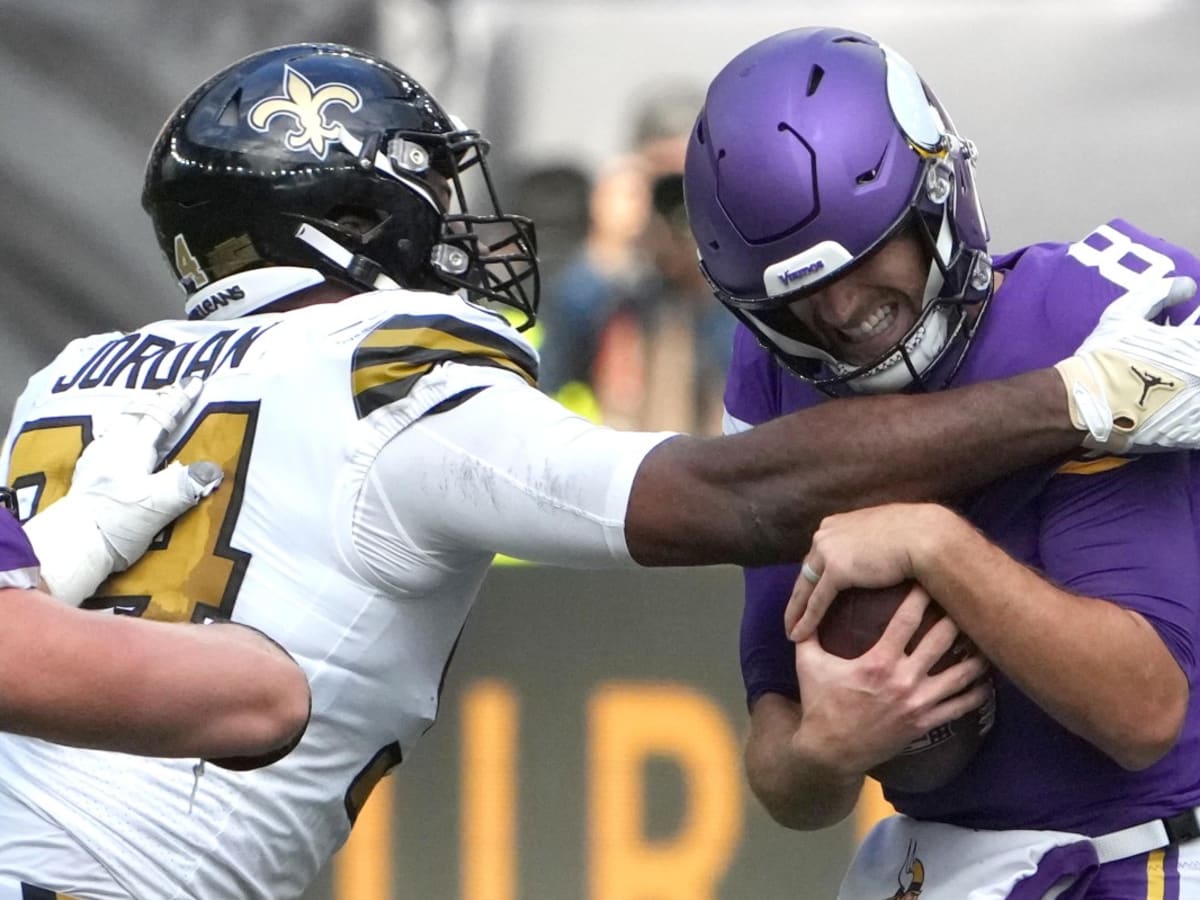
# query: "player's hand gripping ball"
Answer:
x=850 y=627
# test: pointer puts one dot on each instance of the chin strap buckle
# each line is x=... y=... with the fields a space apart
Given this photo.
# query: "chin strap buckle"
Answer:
x=363 y=270
x=450 y=260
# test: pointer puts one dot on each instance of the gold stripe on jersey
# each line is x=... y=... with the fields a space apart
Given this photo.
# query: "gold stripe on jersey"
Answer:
x=1156 y=874
x=33 y=892
x=1093 y=466
x=392 y=358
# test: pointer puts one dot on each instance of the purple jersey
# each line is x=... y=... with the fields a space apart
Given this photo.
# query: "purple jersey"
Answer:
x=18 y=564
x=1121 y=530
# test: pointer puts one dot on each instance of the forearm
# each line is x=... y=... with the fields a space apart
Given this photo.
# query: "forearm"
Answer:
x=251 y=727
x=756 y=497
x=797 y=790
x=230 y=693
x=1110 y=679
x=117 y=683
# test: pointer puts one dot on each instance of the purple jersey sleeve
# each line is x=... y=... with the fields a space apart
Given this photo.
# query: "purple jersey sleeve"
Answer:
x=758 y=388
x=18 y=564
x=768 y=660
x=752 y=384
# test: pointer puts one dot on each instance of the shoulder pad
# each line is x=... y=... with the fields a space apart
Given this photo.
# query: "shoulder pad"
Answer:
x=390 y=359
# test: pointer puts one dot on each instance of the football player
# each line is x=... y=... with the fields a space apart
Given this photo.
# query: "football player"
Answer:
x=347 y=302
x=1077 y=581
x=114 y=682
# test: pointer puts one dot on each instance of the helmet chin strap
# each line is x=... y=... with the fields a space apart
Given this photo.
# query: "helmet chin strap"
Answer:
x=921 y=349
x=359 y=268
x=249 y=291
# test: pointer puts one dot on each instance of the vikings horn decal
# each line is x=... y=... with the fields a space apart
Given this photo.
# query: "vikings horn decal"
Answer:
x=306 y=104
x=915 y=870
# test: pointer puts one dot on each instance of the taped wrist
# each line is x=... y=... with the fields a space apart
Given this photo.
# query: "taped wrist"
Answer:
x=73 y=553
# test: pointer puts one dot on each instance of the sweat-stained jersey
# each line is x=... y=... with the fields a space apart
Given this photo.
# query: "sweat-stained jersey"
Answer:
x=377 y=453
x=1121 y=529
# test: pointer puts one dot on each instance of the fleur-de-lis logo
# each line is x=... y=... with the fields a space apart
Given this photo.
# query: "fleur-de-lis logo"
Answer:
x=306 y=104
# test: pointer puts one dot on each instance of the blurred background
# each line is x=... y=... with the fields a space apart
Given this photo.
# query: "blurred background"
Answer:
x=590 y=740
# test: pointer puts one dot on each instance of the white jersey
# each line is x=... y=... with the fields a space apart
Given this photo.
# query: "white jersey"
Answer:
x=377 y=453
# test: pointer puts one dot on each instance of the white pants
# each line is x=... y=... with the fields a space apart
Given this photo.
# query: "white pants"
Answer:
x=34 y=852
x=904 y=858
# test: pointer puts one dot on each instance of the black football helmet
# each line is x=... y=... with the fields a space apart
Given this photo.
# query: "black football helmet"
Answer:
x=324 y=157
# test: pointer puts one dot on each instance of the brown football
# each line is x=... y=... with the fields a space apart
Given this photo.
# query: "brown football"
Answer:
x=850 y=627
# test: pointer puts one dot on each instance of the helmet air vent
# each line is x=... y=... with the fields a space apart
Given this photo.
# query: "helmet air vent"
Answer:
x=229 y=113
x=814 y=79
x=872 y=173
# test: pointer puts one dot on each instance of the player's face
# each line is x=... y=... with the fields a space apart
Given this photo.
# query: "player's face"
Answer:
x=440 y=186
x=862 y=315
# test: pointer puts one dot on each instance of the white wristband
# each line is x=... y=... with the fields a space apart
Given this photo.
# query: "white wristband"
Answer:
x=74 y=556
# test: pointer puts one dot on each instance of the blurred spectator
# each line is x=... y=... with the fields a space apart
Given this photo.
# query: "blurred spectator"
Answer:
x=663 y=354
x=633 y=335
x=555 y=196
x=603 y=270
x=662 y=125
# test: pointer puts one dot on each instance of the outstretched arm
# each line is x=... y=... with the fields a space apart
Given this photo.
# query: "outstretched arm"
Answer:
x=756 y=497
x=556 y=487
x=560 y=490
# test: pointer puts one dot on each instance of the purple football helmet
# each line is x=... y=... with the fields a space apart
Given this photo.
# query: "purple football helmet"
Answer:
x=815 y=147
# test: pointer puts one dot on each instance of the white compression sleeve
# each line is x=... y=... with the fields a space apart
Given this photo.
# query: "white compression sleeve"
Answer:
x=508 y=471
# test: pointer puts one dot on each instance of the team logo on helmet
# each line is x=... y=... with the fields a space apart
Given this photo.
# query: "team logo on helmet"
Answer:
x=306 y=104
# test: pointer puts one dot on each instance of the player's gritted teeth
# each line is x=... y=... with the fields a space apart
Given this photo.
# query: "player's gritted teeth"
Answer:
x=870 y=330
x=872 y=325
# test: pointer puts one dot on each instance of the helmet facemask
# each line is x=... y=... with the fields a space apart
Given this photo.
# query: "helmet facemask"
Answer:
x=501 y=249
x=491 y=256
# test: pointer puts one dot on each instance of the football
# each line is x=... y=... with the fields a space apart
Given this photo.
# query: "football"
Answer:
x=851 y=626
